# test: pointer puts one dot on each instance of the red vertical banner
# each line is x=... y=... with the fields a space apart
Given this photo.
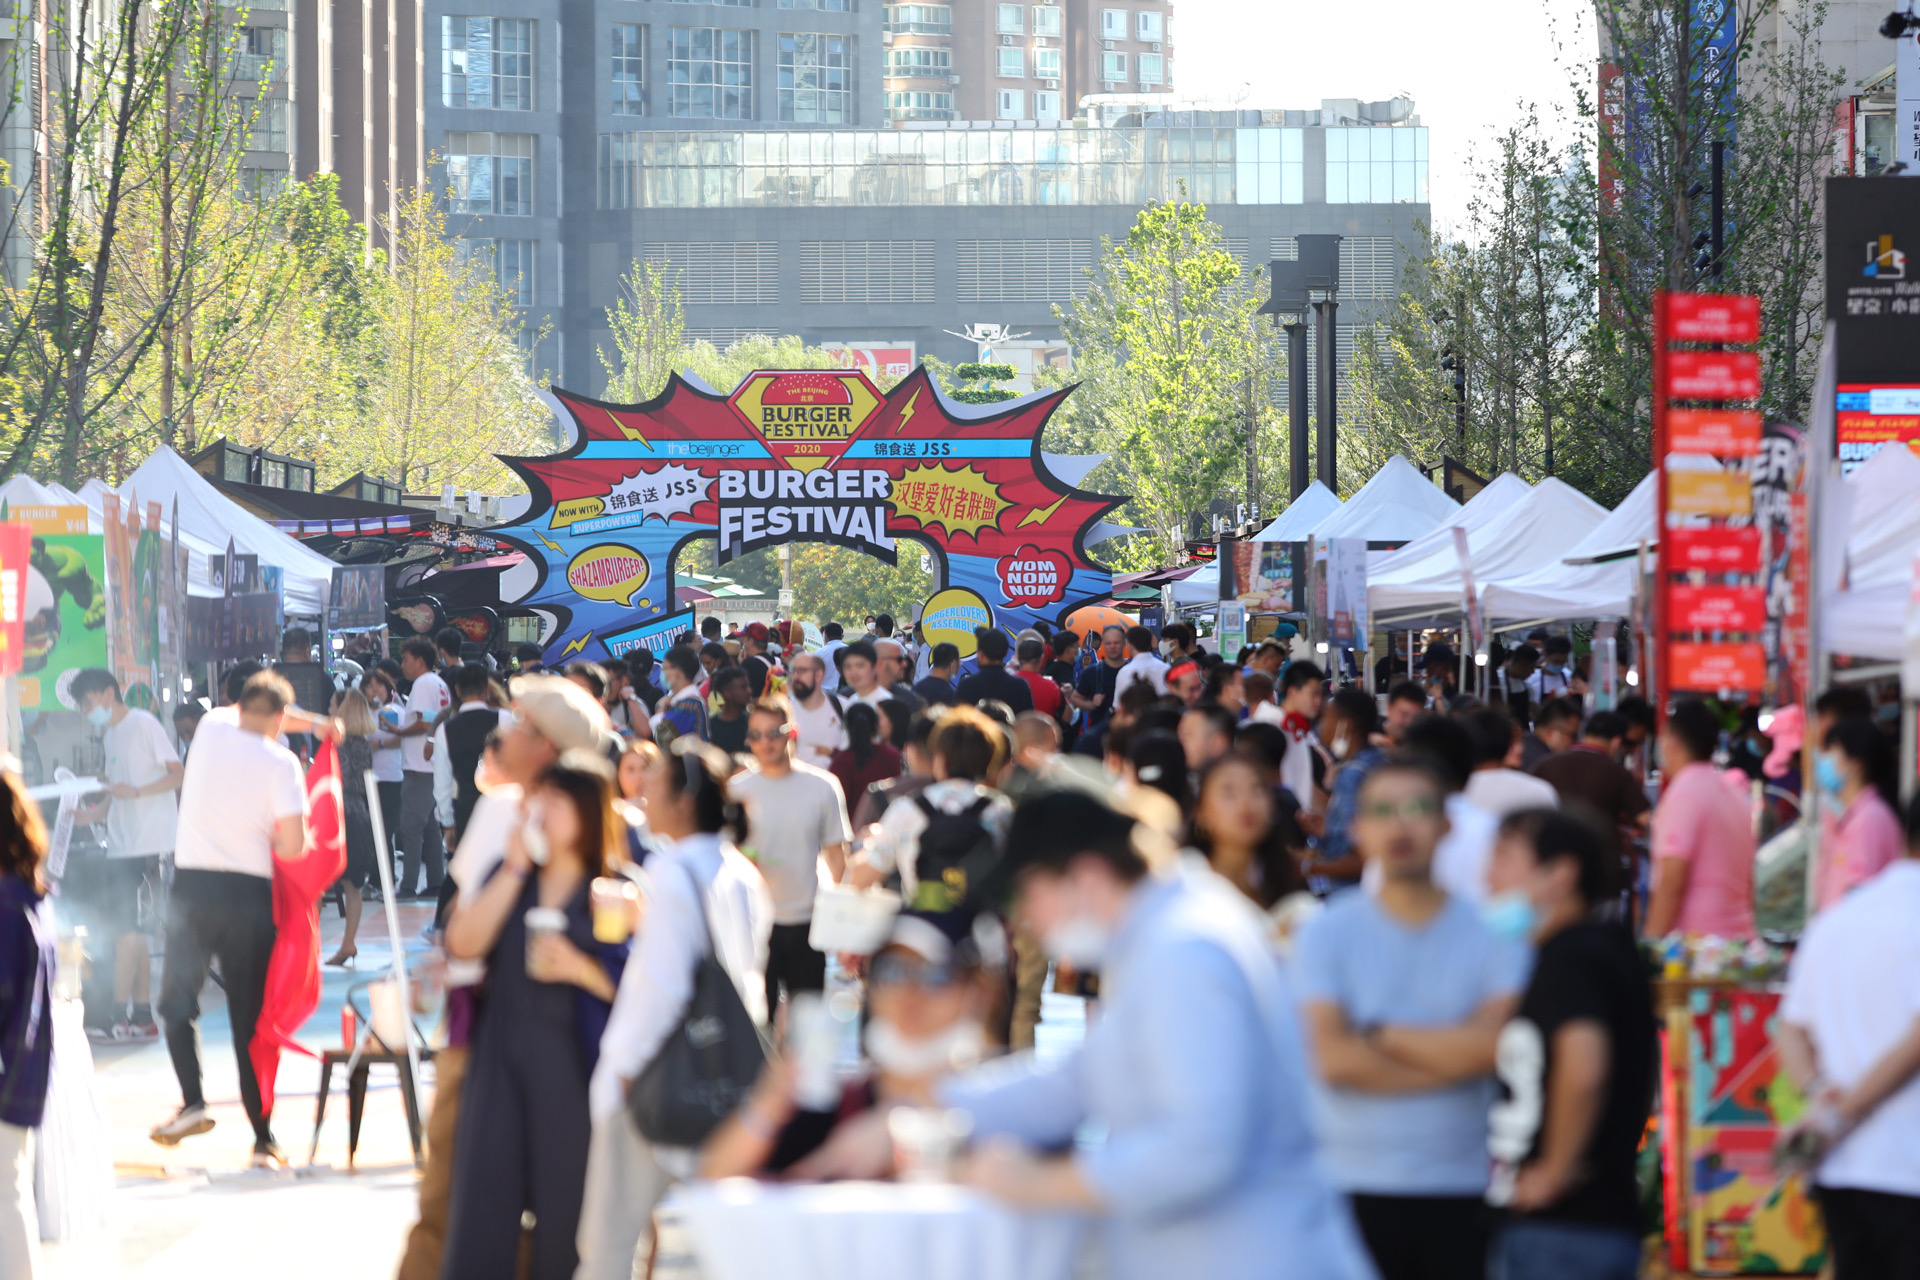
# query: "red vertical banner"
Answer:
x=16 y=546
x=1709 y=608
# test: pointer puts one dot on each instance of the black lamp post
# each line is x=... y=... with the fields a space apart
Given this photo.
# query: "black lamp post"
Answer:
x=1288 y=306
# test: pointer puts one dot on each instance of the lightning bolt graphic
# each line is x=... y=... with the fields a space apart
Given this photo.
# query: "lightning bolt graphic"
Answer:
x=633 y=433
x=1040 y=515
x=577 y=646
x=906 y=413
x=551 y=546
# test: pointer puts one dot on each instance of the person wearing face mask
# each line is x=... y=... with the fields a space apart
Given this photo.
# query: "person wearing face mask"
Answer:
x=1859 y=832
x=1404 y=991
x=1193 y=1072
x=1349 y=725
x=143 y=773
x=930 y=991
x=1575 y=1063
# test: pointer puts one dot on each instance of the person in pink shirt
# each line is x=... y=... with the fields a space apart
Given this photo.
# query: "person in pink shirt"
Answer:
x=1702 y=837
x=1859 y=832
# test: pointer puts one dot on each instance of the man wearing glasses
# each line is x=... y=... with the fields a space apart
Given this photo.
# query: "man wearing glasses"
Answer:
x=796 y=815
x=1405 y=990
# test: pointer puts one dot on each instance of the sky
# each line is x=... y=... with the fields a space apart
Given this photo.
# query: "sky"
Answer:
x=1466 y=64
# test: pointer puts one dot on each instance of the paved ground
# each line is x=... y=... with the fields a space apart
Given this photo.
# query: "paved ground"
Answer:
x=196 y=1210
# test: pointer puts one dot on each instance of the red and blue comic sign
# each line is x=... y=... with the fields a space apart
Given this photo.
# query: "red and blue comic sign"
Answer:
x=809 y=456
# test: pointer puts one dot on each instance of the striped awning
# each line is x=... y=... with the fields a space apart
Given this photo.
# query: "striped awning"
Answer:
x=345 y=528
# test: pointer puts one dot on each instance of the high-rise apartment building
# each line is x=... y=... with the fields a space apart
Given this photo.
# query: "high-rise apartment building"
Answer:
x=983 y=60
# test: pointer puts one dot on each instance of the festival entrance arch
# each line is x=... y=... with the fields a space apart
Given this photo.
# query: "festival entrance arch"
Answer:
x=808 y=456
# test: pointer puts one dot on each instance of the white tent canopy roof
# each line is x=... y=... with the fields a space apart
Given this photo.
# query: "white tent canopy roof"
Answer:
x=1869 y=618
x=1315 y=503
x=1555 y=589
x=208 y=519
x=1397 y=505
x=1536 y=530
x=1504 y=490
x=1202 y=586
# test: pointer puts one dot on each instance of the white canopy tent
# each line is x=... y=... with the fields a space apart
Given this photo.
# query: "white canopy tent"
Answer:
x=1536 y=530
x=208 y=519
x=1397 y=505
x=1557 y=590
x=1315 y=503
x=1501 y=493
x=1868 y=619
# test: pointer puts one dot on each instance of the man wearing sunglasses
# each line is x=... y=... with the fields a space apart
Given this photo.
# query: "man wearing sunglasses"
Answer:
x=1405 y=990
x=796 y=815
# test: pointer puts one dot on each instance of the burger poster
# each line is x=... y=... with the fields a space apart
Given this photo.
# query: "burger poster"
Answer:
x=798 y=456
x=63 y=605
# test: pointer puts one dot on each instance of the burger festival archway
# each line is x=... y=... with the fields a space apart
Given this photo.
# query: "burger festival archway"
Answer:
x=808 y=456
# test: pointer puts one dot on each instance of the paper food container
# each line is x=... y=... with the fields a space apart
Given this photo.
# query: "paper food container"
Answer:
x=852 y=922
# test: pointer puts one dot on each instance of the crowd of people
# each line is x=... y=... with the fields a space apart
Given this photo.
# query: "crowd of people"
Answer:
x=1366 y=989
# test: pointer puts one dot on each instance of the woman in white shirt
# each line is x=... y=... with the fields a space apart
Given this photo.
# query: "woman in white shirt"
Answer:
x=699 y=886
x=378 y=686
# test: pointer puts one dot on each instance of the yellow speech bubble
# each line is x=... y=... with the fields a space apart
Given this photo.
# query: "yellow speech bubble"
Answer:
x=608 y=571
x=951 y=616
x=565 y=513
x=964 y=501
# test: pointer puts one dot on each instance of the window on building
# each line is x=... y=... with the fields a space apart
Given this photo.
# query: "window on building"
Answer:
x=1009 y=19
x=732 y=4
x=490 y=173
x=263 y=55
x=264 y=184
x=920 y=62
x=629 y=70
x=1113 y=66
x=1046 y=63
x=1012 y=104
x=1046 y=105
x=508 y=262
x=1047 y=19
x=486 y=62
x=920 y=19
x=816 y=78
x=1153 y=68
x=1113 y=24
x=920 y=106
x=1013 y=61
x=1151 y=25
x=268 y=132
x=1376 y=166
x=829 y=6
x=710 y=73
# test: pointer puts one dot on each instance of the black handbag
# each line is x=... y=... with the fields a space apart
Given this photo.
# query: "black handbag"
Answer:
x=709 y=1063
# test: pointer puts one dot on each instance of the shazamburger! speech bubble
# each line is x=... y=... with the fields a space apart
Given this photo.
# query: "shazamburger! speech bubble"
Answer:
x=608 y=571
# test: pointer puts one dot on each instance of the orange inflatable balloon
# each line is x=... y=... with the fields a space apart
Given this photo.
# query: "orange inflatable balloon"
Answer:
x=1096 y=617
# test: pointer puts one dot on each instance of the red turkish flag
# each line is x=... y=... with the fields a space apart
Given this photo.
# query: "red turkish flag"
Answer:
x=293 y=970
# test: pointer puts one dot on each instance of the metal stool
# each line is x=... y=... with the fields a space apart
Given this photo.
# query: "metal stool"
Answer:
x=366 y=1053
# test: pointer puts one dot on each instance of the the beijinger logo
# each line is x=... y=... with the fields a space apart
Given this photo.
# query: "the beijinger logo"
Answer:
x=765 y=506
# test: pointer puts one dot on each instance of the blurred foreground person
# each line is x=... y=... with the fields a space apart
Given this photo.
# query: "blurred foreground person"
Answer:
x=1577 y=1060
x=1194 y=1069
x=26 y=1020
x=930 y=992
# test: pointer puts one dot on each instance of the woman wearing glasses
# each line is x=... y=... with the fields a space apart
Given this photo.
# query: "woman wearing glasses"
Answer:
x=701 y=891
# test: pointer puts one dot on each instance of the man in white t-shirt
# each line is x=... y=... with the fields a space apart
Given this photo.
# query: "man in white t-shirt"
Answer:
x=418 y=835
x=796 y=819
x=1497 y=785
x=143 y=772
x=243 y=804
x=830 y=655
x=1849 y=1039
x=860 y=674
x=1142 y=664
x=816 y=713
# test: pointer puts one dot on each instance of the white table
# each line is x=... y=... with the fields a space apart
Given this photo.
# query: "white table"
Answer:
x=741 y=1229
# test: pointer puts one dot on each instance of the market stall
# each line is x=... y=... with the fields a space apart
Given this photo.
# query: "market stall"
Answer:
x=1592 y=578
x=1392 y=508
x=1866 y=616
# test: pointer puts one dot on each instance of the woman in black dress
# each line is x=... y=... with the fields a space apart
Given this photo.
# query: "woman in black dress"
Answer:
x=355 y=714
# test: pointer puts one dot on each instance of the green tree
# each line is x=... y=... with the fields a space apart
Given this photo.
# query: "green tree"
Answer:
x=649 y=333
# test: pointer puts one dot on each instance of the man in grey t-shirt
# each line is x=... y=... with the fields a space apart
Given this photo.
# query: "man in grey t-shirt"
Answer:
x=795 y=815
x=1405 y=990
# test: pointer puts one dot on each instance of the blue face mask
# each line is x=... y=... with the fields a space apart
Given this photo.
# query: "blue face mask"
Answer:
x=100 y=717
x=1510 y=915
x=1826 y=771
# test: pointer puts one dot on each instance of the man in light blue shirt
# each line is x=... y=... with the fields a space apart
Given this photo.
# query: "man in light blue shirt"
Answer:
x=1193 y=1075
x=1405 y=990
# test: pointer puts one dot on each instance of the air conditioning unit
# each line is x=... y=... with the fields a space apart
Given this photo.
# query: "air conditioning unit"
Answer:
x=953 y=79
x=886 y=37
x=1107 y=45
x=1053 y=84
x=1006 y=39
x=1156 y=46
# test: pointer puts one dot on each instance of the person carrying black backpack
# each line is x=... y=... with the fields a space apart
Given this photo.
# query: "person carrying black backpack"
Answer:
x=942 y=842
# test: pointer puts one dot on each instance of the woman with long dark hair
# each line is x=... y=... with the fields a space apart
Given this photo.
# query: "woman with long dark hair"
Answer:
x=1860 y=830
x=381 y=689
x=1238 y=826
x=26 y=1020
x=868 y=757
x=355 y=713
x=523 y=1108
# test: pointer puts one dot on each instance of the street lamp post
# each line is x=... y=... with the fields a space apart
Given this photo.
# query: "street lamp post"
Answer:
x=1288 y=305
x=1320 y=273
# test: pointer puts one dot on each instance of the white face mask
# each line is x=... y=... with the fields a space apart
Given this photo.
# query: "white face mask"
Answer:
x=955 y=1049
x=1079 y=940
x=1340 y=746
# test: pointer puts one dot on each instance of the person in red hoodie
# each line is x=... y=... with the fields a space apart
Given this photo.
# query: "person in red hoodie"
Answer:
x=1047 y=697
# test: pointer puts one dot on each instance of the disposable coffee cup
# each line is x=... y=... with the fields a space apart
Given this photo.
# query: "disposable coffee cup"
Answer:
x=541 y=921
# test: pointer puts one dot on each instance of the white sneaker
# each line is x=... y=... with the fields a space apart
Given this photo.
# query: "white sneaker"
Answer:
x=186 y=1122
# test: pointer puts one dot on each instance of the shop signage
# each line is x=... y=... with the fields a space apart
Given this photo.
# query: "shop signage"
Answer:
x=1717 y=608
